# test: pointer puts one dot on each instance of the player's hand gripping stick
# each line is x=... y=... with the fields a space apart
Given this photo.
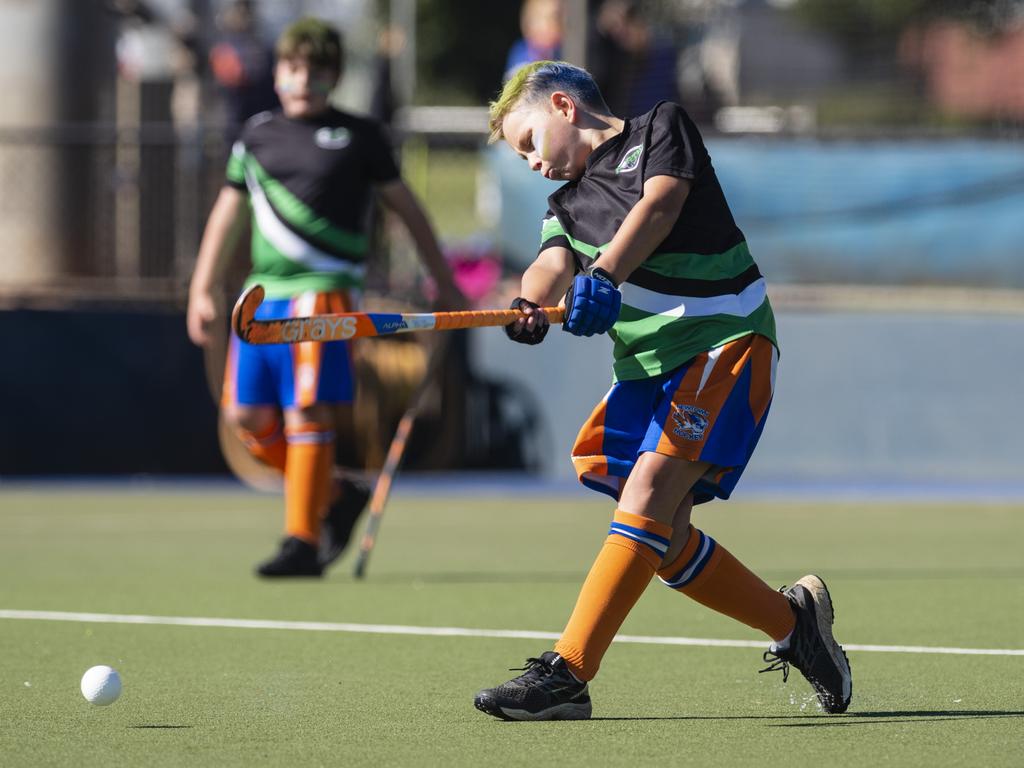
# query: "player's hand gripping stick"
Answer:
x=592 y=303
x=520 y=330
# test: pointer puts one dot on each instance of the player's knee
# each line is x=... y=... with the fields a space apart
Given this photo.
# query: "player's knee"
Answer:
x=680 y=537
x=254 y=419
x=316 y=414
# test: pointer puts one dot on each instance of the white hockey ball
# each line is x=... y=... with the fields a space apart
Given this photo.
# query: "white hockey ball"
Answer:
x=101 y=685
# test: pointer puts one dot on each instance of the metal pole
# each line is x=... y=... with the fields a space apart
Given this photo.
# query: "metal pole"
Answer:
x=403 y=74
x=56 y=67
x=574 y=40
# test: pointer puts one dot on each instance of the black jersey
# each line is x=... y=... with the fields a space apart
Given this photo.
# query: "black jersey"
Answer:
x=310 y=185
x=700 y=288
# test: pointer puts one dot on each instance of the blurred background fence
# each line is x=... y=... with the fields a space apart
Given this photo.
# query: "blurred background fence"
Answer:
x=871 y=152
x=127 y=206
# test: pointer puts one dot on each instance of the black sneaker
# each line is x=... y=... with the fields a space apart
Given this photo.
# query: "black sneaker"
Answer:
x=812 y=649
x=341 y=518
x=545 y=691
x=295 y=558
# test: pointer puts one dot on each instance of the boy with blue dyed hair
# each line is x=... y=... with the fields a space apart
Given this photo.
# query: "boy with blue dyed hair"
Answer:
x=642 y=244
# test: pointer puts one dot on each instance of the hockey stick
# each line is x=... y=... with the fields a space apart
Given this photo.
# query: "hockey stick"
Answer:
x=355 y=325
x=393 y=460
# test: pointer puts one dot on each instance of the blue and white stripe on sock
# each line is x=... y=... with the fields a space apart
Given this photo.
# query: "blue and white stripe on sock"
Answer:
x=693 y=567
x=312 y=436
x=658 y=544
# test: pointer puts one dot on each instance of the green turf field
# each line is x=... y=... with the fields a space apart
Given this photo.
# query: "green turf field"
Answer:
x=900 y=575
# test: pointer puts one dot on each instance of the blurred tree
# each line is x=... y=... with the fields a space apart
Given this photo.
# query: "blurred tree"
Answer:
x=461 y=47
x=859 y=24
x=875 y=35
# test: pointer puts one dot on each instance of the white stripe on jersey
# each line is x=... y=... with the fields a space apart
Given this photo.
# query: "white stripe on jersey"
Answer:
x=289 y=244
x=738 y=304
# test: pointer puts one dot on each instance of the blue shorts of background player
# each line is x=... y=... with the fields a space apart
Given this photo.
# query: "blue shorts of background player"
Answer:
x=291 y=376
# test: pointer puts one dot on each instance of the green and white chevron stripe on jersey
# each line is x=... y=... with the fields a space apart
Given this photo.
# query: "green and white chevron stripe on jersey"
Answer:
x=294 y=248
x=553 y=228
x=702 y=266
x=659 y=331
x=300 y=216
x=291 y=245
x=656 y=332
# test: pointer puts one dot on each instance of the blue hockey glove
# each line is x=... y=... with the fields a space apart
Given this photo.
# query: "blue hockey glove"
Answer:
x=592 y=303
x=518 y=331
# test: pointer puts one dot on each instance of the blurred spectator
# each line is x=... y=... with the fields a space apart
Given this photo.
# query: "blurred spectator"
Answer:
x=541 y=25
x=242 y=63
x=147 y=45
x=634 y=66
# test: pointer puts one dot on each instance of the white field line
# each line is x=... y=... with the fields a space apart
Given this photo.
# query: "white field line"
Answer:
x=393 y=629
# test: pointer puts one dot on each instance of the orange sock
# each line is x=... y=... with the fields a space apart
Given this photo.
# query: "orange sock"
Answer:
x=623 y=569
x=307 y=480
x=269 y=446
x=708 y=573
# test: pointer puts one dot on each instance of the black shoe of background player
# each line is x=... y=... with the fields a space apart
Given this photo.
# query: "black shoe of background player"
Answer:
x=812 y=649
x=337 y=527
x=546 y=690
x=295 y=558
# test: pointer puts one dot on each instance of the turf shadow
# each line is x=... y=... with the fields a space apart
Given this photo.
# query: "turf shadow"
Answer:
x=850 y=718
x=902 y=716
x=708 y=717
x=478 y=577
x=677 y=718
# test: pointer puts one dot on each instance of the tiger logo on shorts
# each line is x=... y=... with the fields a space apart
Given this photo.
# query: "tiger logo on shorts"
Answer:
x=691 y=421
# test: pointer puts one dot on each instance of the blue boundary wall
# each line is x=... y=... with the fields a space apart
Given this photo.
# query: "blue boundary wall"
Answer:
x=938 y=212
x=104 y=391
x=894 y=212
x=887 y=400
x=862 y=399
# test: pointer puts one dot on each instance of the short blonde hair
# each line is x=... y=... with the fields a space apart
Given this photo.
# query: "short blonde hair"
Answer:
x=535 y=81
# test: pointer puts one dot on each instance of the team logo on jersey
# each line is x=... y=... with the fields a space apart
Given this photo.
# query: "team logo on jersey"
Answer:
x=691 y=421
x=631 y=160
x=332 y=138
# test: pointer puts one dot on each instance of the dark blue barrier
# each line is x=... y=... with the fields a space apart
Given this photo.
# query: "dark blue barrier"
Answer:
x=103 y=392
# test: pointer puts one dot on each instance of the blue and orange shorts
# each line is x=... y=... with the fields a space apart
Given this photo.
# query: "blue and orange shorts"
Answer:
x=291 y=375
x=712 y=408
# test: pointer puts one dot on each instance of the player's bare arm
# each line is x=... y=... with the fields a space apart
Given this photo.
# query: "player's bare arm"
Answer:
x=544 y=283
x=400 y=199
x=645 y=226
x=594 y=301
x=223 y=228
